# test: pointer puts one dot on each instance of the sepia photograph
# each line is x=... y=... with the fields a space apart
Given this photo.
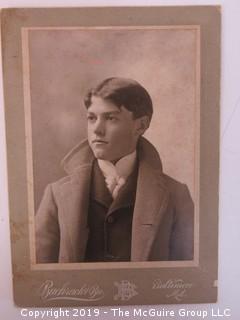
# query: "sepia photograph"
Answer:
x=117 y=200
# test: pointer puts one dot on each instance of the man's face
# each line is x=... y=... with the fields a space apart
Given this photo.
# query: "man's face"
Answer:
x=112 y=131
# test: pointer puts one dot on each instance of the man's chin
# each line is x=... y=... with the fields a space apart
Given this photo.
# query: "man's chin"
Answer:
x=100 y=155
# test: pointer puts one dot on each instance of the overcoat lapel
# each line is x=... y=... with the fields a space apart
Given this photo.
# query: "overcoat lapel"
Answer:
x=150 y=205
x=75 y=197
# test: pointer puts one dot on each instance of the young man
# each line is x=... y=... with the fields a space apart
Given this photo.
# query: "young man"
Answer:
x=115 y=204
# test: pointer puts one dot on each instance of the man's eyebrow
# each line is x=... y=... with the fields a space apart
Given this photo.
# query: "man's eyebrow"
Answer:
x=112 y=112
x=107 y=113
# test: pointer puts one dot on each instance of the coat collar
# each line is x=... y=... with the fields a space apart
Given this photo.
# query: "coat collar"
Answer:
x=79 y=156
x=82 y=155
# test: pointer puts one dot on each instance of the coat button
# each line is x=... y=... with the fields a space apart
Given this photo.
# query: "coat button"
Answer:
x=110 y=219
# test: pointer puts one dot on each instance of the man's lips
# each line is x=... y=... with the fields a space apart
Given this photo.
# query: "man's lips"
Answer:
x=98 y=141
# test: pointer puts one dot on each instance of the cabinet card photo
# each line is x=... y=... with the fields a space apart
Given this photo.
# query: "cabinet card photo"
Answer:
x=112 y=125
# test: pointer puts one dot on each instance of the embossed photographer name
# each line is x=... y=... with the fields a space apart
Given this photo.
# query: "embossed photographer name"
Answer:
x=48 y=291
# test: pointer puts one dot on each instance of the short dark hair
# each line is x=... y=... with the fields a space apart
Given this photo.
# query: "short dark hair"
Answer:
x=123 y=92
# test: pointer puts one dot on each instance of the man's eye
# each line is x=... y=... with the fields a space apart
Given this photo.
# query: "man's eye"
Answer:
x=111 y=118
x=91 y=118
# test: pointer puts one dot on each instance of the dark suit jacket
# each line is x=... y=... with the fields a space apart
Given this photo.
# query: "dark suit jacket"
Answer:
x=163 y=218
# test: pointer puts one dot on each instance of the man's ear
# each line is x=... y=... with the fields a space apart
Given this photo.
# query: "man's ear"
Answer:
x=142 y=125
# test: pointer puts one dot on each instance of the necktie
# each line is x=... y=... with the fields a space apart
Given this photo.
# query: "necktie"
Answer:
x=116 y=175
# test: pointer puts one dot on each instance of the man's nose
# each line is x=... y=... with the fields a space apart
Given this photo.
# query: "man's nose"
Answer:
x=99 y=127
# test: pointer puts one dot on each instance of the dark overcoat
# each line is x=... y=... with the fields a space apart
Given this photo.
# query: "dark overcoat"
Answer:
x=163 y=217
